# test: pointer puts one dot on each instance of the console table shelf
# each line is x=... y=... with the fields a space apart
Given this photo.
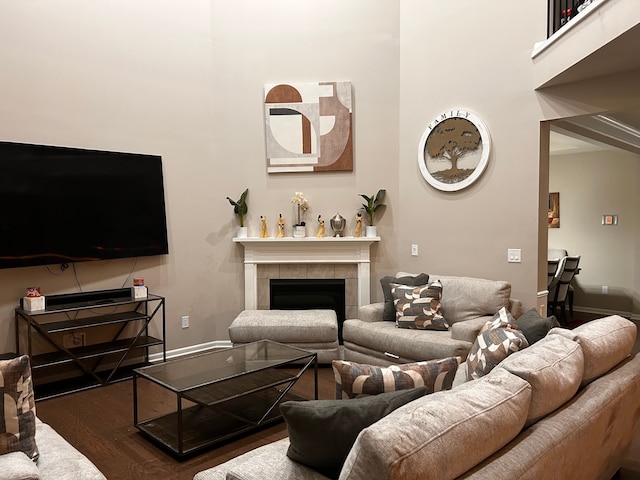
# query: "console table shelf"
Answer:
x=119 y=323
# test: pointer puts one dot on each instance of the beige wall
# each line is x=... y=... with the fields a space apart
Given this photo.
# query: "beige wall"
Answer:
x=590 y=185
x=184 y=80
x=449 y=60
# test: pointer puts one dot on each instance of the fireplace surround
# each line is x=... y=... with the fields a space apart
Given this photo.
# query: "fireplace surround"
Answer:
x=345 y=258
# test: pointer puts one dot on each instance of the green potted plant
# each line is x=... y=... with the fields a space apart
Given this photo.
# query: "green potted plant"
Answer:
x=240 y=208
x=373 y=205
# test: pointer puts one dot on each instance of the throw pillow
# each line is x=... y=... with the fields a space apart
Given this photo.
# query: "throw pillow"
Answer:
x=356 y=380
x=18 y=412
x=534 y=326
x=497 y=339
x=322 y=432
x=419 y=307
x=389 y=312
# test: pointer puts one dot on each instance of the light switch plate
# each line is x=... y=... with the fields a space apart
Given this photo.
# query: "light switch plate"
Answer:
x=514 y=255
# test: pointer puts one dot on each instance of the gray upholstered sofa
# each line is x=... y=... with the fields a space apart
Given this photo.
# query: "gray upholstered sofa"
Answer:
x=565 y=407
x=467 y=304
x=58 y=460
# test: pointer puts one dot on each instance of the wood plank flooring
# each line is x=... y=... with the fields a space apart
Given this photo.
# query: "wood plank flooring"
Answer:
x=99 y=423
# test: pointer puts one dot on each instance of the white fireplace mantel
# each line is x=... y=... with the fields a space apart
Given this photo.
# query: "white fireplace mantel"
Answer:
x=290 y=250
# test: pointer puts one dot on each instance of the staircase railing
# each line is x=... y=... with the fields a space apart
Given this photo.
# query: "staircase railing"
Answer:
x=560 y=12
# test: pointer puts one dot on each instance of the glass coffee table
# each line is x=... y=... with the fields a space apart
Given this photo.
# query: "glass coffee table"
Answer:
x=192 y=403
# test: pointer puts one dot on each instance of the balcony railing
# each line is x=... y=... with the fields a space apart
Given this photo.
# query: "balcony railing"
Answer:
x=563 y=11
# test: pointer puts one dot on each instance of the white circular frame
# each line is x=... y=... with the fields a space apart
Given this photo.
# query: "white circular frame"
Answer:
x=484 y=159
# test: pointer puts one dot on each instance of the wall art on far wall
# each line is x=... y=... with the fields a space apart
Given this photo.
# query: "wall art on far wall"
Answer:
x=308 y=127
x=553 y=216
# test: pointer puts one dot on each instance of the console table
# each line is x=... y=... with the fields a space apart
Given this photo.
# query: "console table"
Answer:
x=64 y=330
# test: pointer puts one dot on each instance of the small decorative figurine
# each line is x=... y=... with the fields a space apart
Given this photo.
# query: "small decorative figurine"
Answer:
x=358 y=231
x=320 y=233
x=280 y=227
x=263 y=227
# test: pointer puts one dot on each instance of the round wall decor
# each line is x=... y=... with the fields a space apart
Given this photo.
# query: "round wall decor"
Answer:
x=454 y=150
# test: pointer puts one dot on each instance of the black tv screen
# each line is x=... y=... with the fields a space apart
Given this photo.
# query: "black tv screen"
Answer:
x=62 y=205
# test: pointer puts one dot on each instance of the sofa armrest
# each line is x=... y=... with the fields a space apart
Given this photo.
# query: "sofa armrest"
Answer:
x=468 y=330
x=371 y=312
x=17 y=465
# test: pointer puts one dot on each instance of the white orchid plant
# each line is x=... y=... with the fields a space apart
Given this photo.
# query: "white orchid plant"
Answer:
x=302 y=205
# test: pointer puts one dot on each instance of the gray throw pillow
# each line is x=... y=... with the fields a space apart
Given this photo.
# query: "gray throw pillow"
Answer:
x=322 y=432
x=534 y=326
x=389 y=312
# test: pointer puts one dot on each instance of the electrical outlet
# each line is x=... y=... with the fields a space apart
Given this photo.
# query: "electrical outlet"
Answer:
x=605 y=290
x=185 y=321
x=414 y=250
x=74 y=340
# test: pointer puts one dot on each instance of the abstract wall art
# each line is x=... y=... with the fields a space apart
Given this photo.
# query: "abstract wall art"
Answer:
x=308 y=127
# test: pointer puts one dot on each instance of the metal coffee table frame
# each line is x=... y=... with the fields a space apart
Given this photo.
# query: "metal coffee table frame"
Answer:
x=222 y=394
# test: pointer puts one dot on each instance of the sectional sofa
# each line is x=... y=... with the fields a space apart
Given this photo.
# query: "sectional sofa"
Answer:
x=565 y=407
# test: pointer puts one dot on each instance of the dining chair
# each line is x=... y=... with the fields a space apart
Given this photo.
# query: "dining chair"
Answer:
x=559 y=291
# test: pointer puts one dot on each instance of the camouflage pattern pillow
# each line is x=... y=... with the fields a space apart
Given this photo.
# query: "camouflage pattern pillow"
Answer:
x=497 y=339
x=418 y=307
x=18 y=412
x=355 y=380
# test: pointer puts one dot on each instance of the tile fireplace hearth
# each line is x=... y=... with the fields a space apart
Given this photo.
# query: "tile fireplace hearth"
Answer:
x=345 y=258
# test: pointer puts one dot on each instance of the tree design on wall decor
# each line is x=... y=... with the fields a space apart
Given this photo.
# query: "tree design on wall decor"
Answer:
x=454 y=150
x=450 y=141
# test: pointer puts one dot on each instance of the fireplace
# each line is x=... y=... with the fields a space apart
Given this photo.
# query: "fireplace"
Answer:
x=345 y=258
x=309 y=293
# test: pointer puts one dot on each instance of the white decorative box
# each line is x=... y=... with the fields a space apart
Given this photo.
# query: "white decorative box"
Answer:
x=31 y=304
x=139 y=292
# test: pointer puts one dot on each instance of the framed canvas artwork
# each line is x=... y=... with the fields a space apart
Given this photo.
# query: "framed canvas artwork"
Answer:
x=308 y=127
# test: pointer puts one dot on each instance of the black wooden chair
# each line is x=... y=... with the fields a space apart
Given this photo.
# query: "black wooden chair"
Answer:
x=559 y=287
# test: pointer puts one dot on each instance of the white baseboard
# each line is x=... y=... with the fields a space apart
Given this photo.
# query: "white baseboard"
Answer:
x=190 y=350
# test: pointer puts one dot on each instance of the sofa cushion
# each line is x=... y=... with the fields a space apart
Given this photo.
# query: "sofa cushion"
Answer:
x=465 y=298
x=322 y=432
x=17 y=466
x=534 y=326
x=18 y=413
x=605 y=342
x=356 y=379
x=389 y=312
x=496 y=340
x=442 y=435
x=263 y=462
x=418 y=307
x=553 y=367
x=386 y=340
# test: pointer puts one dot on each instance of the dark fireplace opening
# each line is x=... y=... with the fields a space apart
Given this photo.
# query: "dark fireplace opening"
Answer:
x=309 y=293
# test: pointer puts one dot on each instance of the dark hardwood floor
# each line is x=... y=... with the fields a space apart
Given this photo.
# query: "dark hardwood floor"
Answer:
x=99 y=423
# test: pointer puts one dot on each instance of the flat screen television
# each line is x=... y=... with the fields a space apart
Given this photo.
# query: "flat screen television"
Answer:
x=61 y=205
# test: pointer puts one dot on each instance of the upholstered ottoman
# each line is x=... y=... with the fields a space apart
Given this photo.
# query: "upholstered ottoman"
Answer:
x=313 y=330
